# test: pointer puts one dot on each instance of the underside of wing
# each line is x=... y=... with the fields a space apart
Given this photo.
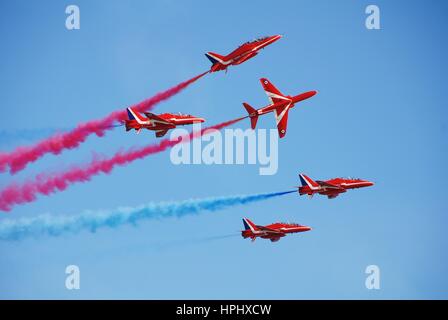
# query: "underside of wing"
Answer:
x=281 y=117
x=273 y=93
x=161 y=133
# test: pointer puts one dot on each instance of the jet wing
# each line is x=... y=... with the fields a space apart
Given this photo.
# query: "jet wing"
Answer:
x=246 y=57
x=155 y=119
x=273 y=93
x=281 y=117
x=271 y=231
x=329 y=185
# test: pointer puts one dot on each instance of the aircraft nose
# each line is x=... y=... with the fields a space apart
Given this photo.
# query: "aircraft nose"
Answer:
x=199 y=119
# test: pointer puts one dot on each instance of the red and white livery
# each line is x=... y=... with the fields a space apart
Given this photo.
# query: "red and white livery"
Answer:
x=272 y=232
x=280 y=105
x=330 y=188
x=159 y=123
x=243 y=53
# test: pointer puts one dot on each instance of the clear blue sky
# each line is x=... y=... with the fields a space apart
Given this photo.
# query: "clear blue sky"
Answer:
x=380 y=114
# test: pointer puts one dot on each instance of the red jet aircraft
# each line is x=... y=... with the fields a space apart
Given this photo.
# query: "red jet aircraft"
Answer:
x=159 y=123
x=243 y=53
x=331 y=188
x=280 y=105
x=272 y=232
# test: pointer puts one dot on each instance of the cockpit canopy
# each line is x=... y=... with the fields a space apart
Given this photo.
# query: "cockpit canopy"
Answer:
x=183 y=114
x=351 y=178
x=291 y=224
x=261 y=38
x=255 y=40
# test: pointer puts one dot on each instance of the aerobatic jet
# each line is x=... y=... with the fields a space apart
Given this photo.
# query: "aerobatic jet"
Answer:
x=272 y=232
x=159 y=123
x=279 y=104
x=243 y=53
x=330 y=188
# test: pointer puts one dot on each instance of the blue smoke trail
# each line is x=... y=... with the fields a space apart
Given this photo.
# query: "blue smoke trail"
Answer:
x=58 y=225
x=14 y=137
x=11 y=137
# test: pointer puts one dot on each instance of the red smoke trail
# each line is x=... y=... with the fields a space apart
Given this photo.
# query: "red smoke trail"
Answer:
x=19 y=158
x=49 y=183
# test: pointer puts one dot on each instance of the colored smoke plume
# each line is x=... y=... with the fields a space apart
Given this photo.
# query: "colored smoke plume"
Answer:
x=47 y=184
x=52 y=225
x=19 y=158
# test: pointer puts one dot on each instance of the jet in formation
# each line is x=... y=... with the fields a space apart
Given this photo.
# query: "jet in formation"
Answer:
x=279 y=104
x=243 y=53
x=330 y=188
x=159 y=123
x=272 y=232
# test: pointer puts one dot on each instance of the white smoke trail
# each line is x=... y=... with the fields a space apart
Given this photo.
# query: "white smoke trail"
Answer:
x=17 y=229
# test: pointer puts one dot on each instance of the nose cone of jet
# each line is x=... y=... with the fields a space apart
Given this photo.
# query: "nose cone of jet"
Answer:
x=367 y=183
x=198 y=119
x=304 y=96
x=305 y=228
x=277 y=36
x=312 y=93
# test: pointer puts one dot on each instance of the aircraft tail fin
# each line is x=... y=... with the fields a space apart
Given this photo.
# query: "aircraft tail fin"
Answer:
x=249 y=225
x=214 y=57
x=134 y=115
x=253 y=115
x=307 y=181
